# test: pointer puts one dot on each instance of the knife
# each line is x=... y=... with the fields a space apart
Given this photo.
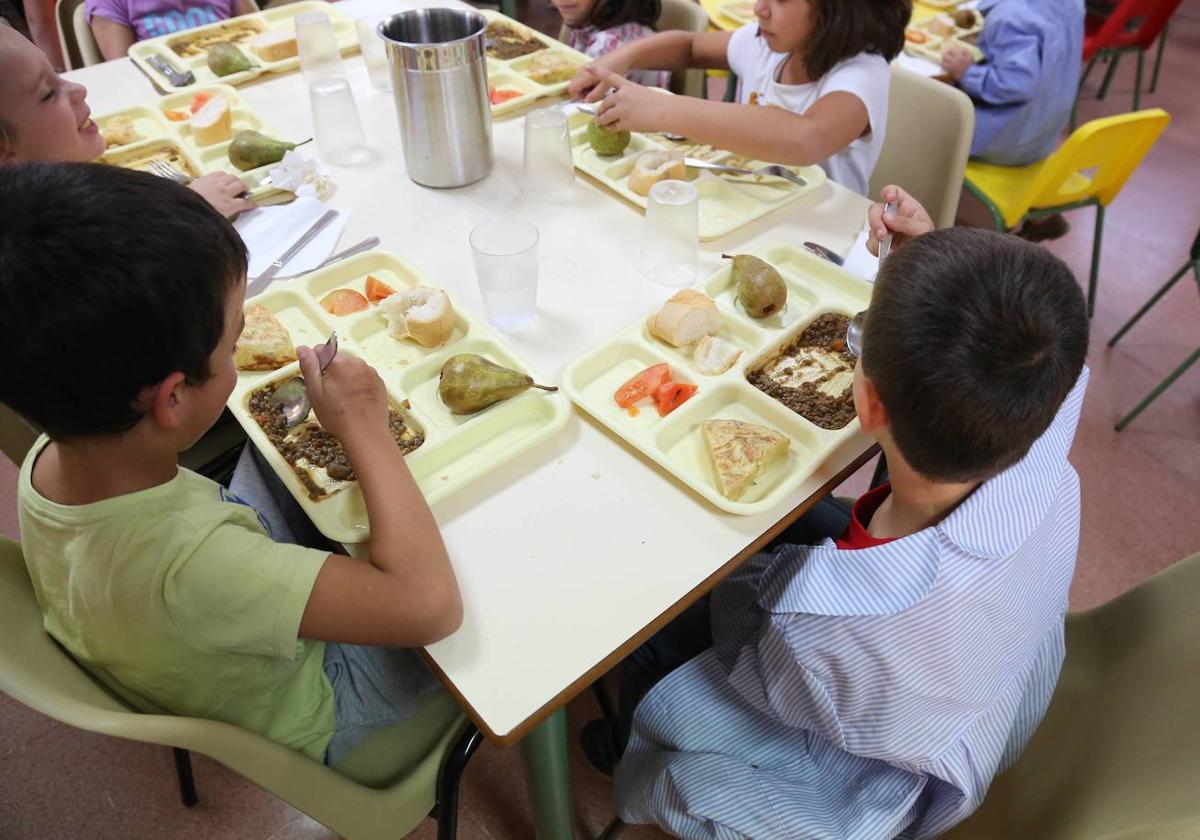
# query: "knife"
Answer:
x=260 y=282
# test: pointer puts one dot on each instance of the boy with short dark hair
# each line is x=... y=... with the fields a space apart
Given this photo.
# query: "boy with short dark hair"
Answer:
x=125 y=293
x=870 y=685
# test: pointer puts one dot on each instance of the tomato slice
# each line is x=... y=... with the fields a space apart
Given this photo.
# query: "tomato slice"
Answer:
x=643 y=385
x=670 y=395
x=199 y=100
x=377 y=290
x=343 y=302
x=177 y=116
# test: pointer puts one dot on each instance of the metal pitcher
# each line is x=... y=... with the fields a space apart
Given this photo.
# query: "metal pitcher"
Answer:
x=439 y=79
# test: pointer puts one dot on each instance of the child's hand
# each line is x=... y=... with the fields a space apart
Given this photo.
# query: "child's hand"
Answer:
x=630 y=106
x=348 y=397
x=224 y=192
x=956 y=61
x=909 y=219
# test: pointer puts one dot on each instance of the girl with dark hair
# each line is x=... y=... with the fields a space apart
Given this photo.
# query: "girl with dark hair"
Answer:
x=600 y=26
x=813 y=84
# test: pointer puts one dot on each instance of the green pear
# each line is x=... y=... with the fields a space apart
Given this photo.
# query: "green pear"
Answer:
x=250 y=150
x=225 y=59
x=471 y=383
x=606 y=141
x=760 y=289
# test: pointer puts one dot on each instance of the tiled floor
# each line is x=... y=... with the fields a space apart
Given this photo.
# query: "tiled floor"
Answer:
x=1140 y=497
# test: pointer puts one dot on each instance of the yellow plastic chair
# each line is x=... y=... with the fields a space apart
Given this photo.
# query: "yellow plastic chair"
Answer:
x=1089 y=169
x=381 y=791
x=1117 y=756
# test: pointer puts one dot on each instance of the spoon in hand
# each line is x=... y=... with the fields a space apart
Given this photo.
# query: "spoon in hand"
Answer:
x=292 y=397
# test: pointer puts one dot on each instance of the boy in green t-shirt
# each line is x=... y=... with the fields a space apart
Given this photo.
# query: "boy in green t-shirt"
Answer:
x=123 y=293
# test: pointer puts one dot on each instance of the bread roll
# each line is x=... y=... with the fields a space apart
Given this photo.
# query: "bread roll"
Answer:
x=686 y=318
x=423 y=314
x=213 y=123
x=656 y=165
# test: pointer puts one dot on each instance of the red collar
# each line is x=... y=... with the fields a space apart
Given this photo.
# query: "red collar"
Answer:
x=857 y=535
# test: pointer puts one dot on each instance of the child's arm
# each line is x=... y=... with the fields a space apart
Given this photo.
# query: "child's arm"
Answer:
x=224 y=192
x=114 y=39
x=764 y=132
x=673 y=50
x=244 y=7
x=1011 y=73
x=909 y=219
x=407 y=594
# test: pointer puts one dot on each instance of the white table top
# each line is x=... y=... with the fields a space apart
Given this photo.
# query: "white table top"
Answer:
x=575 y=547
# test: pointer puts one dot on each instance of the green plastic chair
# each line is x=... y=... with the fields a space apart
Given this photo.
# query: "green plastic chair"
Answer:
x=1117 y=756
x=1194 y=264
x=381 y=791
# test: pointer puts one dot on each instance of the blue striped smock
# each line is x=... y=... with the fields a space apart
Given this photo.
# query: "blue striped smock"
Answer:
x=871 y=693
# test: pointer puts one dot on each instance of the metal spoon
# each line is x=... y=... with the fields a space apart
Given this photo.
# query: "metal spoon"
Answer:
x=854 y=333
x=292 y=396
x=823 y=252
x=886 y=245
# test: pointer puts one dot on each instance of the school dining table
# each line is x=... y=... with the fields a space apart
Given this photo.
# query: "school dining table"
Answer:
x=573 y=553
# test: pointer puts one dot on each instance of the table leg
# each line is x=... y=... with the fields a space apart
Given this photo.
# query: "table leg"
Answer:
x=544 y=755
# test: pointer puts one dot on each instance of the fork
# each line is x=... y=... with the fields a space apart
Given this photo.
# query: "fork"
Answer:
x=772 y=170
x=164 y=170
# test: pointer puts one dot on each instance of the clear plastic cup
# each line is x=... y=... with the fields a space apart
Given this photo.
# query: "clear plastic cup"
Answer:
x=317 y=44
x=505 y=253
x=670 y=251
x=549 y=167
x=336 y=126
x=373 y=52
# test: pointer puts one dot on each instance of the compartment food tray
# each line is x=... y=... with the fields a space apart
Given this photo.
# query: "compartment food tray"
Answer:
x=458 y=448
x=932 y=48
x=240 y=30
x=726 y=201
x=157 y=132
x=675 y=442
x=510 y=74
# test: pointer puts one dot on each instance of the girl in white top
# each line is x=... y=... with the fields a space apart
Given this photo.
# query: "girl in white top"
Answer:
x=813 y=84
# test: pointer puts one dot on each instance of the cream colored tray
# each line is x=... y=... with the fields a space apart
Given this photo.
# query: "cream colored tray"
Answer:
x=510 y=74
x=238 y=30
x=675 y=442
x=157 y=134
x=726 y=202
x=933 y=46
x=458 y=448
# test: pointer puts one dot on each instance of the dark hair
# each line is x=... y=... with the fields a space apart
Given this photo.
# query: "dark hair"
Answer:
x=844 y=28
x=110 y=281
x=610 y=13
x=973 y=340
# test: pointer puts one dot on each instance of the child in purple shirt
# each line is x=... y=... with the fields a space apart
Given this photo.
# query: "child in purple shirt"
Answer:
x=118 y=24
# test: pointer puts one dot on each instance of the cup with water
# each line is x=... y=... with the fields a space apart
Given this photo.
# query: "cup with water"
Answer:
x=506 y=265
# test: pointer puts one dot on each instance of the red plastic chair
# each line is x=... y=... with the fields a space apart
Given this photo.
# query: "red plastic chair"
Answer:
x=1131 y=26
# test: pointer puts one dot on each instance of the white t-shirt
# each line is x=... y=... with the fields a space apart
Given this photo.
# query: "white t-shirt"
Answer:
x=866 y=75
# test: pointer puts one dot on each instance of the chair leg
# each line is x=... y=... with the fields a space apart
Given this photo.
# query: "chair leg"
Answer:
x=1079 y=91
x=1150 y=303
x=448 y=778
x=1096 y=242
x=612 y=829
x=1137 y=84
x=1113 y=60
x=1162 y=386
x=1162 y=42
x=187 y=782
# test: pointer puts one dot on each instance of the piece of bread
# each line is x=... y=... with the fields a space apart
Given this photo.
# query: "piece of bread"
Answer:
x=653 y=166
x=686 y=318
x=275 y=46
x=715 y=355
x=740 y=452
x=942 y=25
x=265 y=343
x=213 y=123
x=423 y=314
x=549 y=68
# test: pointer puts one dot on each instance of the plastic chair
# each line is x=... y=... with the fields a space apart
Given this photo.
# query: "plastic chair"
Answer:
x=929 y=130
x=380 y=791
x=688 y=16
x=1194 y=264
x=1132 y=26
x=79 y=47
x=1117 y=756
x=1089 y=169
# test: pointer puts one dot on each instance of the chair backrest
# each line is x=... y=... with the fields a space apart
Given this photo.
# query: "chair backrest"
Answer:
x=79 y=46
x=38 y=673
x=686 y=15
x=929 y=130
x=1096 y=160
x=1133 y=23
x=1118 y=753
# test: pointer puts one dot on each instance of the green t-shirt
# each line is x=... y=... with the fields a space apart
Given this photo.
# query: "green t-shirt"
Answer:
x=179 y=594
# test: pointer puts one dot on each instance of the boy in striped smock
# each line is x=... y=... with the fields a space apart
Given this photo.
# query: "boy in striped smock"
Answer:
x=870 y=675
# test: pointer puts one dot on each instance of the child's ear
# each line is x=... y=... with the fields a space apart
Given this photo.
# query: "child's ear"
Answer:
x=165 y=401
x=872 y=416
